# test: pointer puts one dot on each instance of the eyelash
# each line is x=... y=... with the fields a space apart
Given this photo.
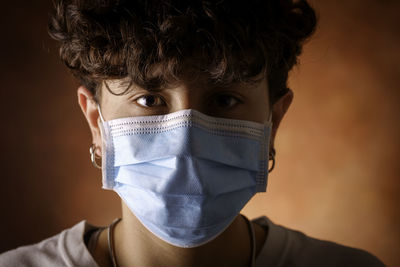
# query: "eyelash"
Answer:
x=156 y=97
x=231 y=97
x=213 y=101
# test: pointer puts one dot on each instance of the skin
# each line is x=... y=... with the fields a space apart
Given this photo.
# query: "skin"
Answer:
x=134 y=244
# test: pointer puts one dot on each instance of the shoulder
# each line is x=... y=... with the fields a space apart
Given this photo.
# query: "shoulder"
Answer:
x=293 y=248
x=64 y=249
x=326 y=253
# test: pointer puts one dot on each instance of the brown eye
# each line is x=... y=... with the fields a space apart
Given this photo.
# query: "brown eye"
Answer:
x=150 y=101
x=225 y=101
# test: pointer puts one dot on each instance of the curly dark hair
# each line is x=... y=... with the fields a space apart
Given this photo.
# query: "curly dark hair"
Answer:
x=222 y=41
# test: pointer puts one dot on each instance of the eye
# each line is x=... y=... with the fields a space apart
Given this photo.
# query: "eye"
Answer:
x=150 y=101
x=225 y=101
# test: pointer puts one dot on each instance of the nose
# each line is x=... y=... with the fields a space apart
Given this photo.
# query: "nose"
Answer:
x=187 y=99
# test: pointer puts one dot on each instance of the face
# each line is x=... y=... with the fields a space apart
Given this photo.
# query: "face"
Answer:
x=242 y=101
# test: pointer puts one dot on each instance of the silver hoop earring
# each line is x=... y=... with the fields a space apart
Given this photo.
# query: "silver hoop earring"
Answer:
x=272 y=157
x=93 y=156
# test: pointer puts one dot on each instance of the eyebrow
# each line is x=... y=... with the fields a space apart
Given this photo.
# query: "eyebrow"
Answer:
x=128 y=87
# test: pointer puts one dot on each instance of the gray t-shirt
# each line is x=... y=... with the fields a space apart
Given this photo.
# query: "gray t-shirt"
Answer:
x=282 y=248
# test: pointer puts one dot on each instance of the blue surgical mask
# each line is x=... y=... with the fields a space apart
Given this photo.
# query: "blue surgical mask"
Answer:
x=185 y=175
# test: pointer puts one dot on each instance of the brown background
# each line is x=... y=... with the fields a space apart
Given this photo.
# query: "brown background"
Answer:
x=337 y=164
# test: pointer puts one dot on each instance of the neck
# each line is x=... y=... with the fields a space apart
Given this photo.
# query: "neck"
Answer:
x=136 y=246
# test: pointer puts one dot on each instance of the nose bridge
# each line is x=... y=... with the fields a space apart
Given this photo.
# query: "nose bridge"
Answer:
x=187 y=98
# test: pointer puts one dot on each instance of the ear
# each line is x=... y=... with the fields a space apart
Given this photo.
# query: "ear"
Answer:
x=89 y=108
x=279 y=109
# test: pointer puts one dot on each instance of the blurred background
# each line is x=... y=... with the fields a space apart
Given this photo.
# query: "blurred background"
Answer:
x=337 y=174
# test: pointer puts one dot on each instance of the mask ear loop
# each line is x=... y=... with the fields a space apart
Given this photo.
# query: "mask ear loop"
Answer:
x=93 y=148
x=101 y=115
